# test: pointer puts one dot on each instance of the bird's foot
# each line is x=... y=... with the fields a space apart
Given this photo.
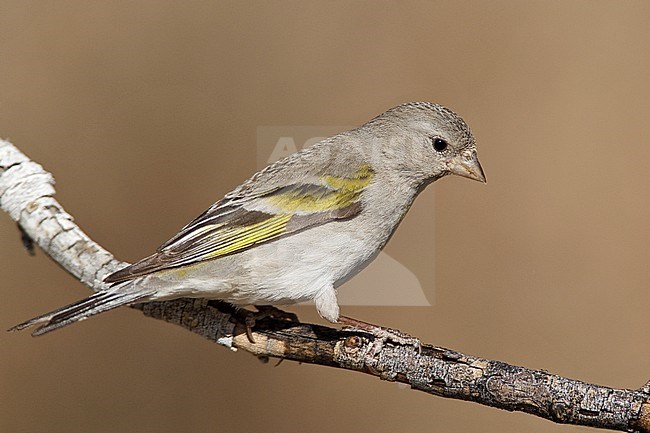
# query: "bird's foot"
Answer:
x=383 y=334
x=263 y=312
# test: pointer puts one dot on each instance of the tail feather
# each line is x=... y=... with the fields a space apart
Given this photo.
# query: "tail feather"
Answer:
x=94 y=304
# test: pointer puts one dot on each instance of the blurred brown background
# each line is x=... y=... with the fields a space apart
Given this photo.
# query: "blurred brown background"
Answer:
x=146 y=113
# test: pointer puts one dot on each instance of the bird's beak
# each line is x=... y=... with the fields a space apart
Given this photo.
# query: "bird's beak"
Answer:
x=467 y=165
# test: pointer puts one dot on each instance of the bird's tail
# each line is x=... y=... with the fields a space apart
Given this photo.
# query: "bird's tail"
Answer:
x=94 y=304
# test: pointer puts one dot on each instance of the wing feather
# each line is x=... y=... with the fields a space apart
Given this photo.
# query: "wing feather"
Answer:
x=229 y=226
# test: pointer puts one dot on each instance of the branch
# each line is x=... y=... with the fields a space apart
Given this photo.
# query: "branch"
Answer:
x=26 y=194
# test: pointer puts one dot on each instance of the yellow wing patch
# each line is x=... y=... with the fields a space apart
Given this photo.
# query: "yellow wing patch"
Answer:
x=341 y=193
x=240 y=238
x=356 y=183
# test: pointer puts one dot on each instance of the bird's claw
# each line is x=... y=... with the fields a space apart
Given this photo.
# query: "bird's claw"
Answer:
x=383 y=334
x=263 y=312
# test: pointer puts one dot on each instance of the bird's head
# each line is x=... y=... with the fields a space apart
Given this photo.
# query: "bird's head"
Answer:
x=425 y=142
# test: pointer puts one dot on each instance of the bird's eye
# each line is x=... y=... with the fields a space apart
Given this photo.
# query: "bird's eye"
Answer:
x=439 y=144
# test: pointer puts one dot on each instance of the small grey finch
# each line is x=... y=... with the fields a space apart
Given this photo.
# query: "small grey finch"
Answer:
x=299 y=228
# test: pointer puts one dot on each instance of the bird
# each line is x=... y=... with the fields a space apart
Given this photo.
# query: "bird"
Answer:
x=302 y=226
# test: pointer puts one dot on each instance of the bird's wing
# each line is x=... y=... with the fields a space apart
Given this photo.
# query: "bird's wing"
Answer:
x=235 y=224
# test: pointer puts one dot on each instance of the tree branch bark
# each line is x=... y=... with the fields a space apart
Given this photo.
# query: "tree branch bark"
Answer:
x=26 y=194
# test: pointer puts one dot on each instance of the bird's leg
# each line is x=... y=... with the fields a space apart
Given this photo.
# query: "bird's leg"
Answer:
x=264 y=311
x=249 y=318
x=383 y=334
